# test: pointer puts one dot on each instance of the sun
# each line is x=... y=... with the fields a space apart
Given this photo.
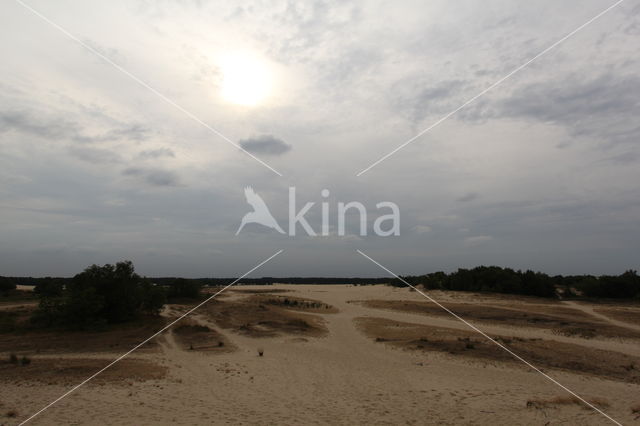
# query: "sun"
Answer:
x=246 y=79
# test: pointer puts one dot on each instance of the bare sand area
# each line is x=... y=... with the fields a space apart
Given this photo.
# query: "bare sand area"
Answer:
x=311 y=354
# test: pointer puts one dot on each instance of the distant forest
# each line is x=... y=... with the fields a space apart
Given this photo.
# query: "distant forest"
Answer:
x=480 y=279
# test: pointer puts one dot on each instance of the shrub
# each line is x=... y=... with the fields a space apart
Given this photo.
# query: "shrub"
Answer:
x=260 y=351
x=13 y=359
x=25 y=361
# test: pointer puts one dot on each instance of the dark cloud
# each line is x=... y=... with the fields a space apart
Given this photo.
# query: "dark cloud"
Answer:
x=604 y=107
x=154 y=177
x=29 y=123
x=95 y=155
x=265 y=144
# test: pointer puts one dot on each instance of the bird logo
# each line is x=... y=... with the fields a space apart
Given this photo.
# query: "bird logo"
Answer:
x=260 y=213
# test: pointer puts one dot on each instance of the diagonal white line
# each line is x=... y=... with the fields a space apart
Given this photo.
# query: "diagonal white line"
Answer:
x=146 y=340
x=476 y=329
x=492 y=86
x=144 y=84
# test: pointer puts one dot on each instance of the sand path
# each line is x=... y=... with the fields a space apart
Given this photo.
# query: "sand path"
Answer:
x=591 y=311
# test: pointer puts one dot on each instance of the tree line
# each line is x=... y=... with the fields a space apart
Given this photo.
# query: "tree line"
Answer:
x=506 y=280
x=103 y=295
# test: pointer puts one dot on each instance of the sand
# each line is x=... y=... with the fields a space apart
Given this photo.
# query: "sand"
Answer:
x=339 y=377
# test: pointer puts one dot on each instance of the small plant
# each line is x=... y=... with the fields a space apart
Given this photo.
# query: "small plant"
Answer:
x=260 y=351
x=13 y=359
x=469 y=345
x=25 y=361
x=191 y=346
x=12 y=413
x=220 y=344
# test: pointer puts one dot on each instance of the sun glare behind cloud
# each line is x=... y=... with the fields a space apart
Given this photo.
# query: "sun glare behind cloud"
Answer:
x=246 y=79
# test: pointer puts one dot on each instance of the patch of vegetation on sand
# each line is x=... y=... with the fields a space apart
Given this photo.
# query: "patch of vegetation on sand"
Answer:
x=566 y=400
x=625 y=314
x=196 y=337
x=540 y=352
x=297 y=304
x=562 y=320
x=112 y=338
x=254 y=318
x=67 y=371
x=260 y=290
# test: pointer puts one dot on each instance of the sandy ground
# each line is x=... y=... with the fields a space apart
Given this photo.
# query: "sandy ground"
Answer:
x=343 y=377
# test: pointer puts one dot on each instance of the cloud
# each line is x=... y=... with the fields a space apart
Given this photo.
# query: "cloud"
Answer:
x=265 y=144
x=477 y=240
x=420 y=99
x=154 y=177
x=604 y=106
x=152 y=154
x=57 y=127
x=27 y=122
x=95 y=155
x=467 y=197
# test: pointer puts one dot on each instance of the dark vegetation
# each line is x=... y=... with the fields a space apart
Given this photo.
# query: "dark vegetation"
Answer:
x=6 y=285
x=271 y=280
x=559 y=319
x=183 y=288
x=111 y=294
x=255 y=318
x=505 y=280
x=193 y=336
x=98 y=296
x=298 y=304
x=541 y=352
x=69 y=371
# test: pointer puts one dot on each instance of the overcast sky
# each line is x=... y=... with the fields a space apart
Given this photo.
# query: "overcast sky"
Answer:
x=541 y=172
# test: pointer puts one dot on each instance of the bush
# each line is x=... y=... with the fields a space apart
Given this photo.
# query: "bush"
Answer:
x=13 y=359
x=25 y=361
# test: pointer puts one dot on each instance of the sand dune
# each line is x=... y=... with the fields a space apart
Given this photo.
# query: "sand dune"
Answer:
x=342 y=376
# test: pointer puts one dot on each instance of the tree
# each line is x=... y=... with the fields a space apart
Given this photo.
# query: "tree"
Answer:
x=182 y=287
x=51 y=287
x=102 y=295
x=6 y=285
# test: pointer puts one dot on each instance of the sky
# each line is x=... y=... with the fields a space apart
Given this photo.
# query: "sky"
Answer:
x=129 y=130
